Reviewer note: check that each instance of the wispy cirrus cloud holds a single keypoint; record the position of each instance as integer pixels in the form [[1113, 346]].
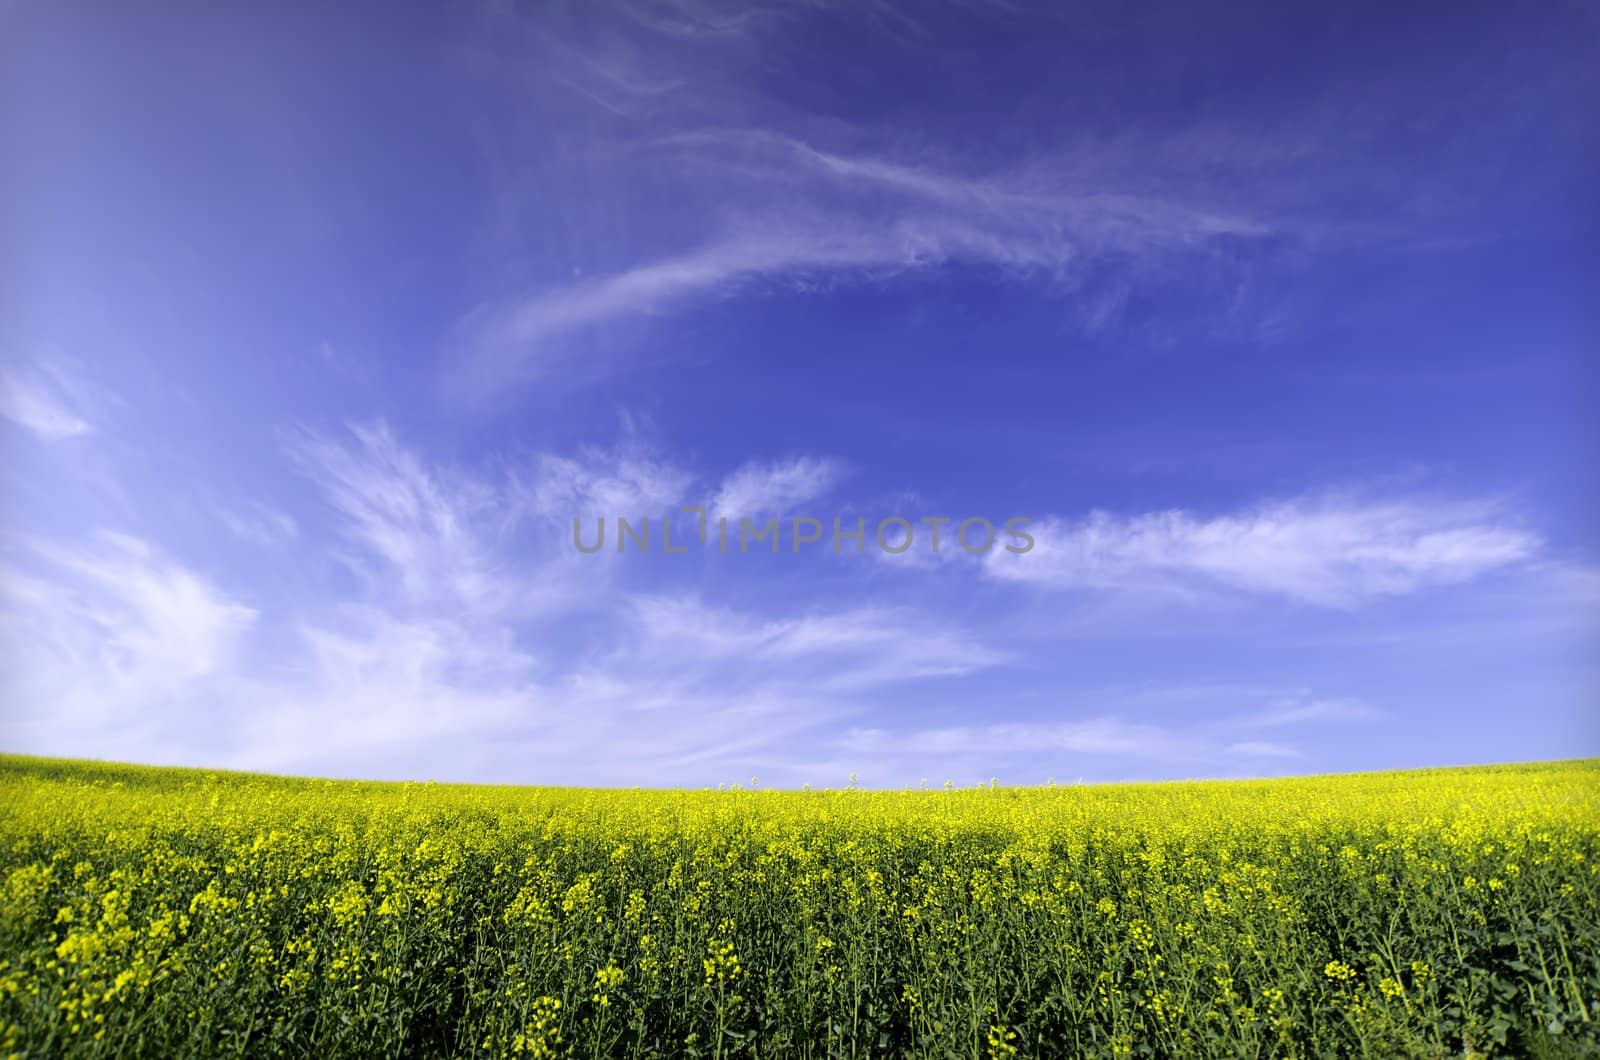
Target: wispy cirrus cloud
[[378, 687], [1328, 551], [671, 682], [428, 530], [850, 649], [841, 218], [485, 545], [756, 489], [108, 635], [769, 198], [473, 630], [475, 627], [627, 481], [41, 398]]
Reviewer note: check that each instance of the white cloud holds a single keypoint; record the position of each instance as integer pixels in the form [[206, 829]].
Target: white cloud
[[521, 340], [429, 531], [437, 657], [770, 196], [477, 644], [792, 215], [846, 650], [1331, 551], [108, 635], [628, 482], [1048, 211], [526, 339], [161, 620], [40, 400], [370, 689], [432, 540], [758, 489], [117, 652], [678, 688]]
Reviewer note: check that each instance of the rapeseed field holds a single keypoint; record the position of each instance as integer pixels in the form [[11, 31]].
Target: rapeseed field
[[167, 913]]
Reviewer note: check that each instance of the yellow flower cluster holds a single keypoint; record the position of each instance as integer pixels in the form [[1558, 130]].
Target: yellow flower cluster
[[169, 913]]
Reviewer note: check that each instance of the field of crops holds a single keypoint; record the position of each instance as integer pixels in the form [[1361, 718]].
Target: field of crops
[[167, 913]]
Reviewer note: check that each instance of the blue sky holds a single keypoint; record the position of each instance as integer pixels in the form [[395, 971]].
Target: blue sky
[[319, 329]]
